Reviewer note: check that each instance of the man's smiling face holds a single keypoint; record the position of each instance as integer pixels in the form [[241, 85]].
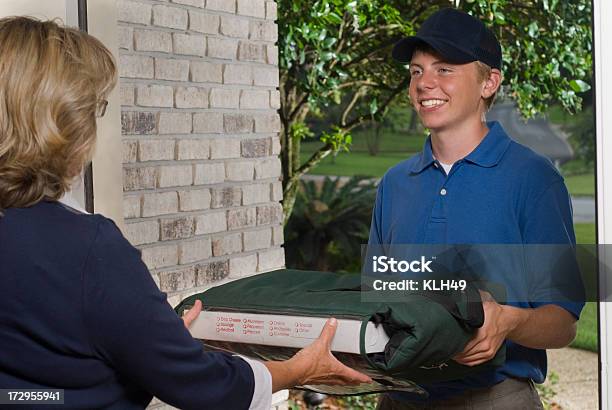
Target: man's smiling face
[[445, 95]]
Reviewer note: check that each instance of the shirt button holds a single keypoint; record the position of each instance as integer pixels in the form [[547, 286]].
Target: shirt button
[[443, 192]]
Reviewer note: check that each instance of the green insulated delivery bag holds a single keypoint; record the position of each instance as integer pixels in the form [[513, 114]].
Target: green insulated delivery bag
[[399, 344]]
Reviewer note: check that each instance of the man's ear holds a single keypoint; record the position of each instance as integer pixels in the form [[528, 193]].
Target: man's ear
[[492, 83]]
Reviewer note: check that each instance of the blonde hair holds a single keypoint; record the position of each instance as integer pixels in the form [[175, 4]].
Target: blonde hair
[[484, 71], [52, 79]]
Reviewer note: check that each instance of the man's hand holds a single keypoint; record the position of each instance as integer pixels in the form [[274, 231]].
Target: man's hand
[[488, 339], [192, 314]]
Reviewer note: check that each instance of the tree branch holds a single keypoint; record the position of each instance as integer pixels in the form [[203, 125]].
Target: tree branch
[[362, 118]]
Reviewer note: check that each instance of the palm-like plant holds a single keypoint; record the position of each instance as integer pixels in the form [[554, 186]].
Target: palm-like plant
[[329, 223]]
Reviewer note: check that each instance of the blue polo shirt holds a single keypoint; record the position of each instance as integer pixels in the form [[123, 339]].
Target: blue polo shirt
[[501, 193]]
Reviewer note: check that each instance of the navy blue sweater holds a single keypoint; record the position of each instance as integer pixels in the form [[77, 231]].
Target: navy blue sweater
[[79, 311]]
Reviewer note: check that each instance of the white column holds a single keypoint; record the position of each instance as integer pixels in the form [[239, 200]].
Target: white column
[[603, 89]]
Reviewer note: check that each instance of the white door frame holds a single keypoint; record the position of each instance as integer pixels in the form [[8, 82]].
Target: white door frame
[[602, 36]]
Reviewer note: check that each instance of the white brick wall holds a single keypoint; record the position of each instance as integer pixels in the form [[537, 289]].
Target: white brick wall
[[199, 99]]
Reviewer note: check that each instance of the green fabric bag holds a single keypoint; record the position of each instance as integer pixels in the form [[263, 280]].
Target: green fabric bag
[[426, 329]]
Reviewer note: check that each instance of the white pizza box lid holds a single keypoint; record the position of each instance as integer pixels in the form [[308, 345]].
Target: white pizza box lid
[[285, 331]]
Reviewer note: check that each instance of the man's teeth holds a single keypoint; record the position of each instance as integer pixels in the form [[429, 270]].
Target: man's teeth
[[431, 103]]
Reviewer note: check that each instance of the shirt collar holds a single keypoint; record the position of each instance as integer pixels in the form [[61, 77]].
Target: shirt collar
[[487, 154]]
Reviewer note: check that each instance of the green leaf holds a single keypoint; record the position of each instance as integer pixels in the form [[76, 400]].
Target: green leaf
[[373, 106], [579, 86]]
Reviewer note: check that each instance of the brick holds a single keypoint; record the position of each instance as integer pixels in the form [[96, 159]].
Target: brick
[[275, 99], [266, 76], [174, 123], [269, 214], [225, 197], [268, 168], [138, 178], [278, 237], [131, 206], [194, 251], [193, 149], [211, 223], [237, 74], [138, 122], [226, 245], [160, 256], [177, 228], [203, 22], [271, 10], [251, 52], [204, 72], [131, 12], [267, 123], [254, 148], [254, 99], [211, 272], [229, 6], [276, 145], [241, 218], [277, 191], [129, 151], [209, 174], [263, 31], [178, 279], [154, 96], [259, 239], [175, 175], [239, 171], [152, 40], [255, 194], [126, 94], [224, 98], [234, 27], [126, 37], [135, 66], [253, 8], [159, 203], [172, 17], [270, 260], [272, 55], [194, 3], [140, 233], [222, 148], [237, 123], [194, 200], [208, 122], [191, 97], [171, 69], [222, 48], [189, 44], [155, 150], [242, 266]]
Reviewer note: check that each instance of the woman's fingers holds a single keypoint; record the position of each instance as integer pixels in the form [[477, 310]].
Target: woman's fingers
[[192, 314]]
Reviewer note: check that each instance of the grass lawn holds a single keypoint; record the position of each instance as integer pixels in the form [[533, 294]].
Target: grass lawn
[[586, 337], [394, 148], [581, 185]]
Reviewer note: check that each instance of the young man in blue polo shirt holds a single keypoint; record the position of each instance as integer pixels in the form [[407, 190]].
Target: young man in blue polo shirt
[[472, 184]]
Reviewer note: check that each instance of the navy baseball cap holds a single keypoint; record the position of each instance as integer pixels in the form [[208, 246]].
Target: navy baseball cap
[[456, 36]]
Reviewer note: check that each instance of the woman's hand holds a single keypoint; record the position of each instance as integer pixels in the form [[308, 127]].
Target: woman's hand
[[315, 364], [192, 314]]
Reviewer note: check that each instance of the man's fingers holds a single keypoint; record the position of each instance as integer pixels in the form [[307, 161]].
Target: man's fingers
[[328, 332]]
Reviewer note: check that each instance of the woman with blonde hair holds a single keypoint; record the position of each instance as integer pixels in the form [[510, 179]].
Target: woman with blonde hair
[[79, 310]]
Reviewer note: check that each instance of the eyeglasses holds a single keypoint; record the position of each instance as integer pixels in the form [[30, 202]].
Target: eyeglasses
[[101, 108]]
